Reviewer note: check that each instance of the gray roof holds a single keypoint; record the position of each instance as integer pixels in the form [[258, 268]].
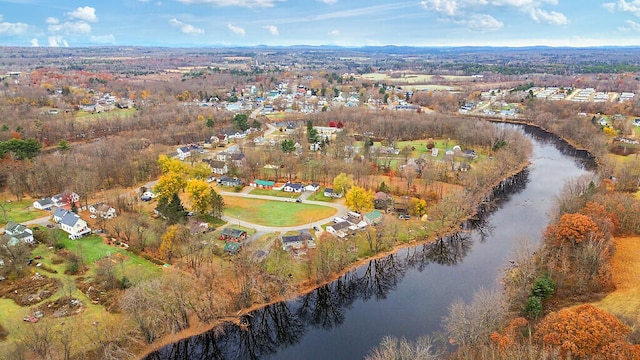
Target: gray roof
[[341, 225], [59, 212], [291, 239], [70, 219], [45, 202]]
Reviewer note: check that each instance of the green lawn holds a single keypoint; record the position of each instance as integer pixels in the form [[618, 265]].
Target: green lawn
[[93, 248], [19, 211], [278, 193], [275, 213], [105, 115]]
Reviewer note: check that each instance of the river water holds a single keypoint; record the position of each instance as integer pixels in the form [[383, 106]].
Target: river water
[[405, 294]]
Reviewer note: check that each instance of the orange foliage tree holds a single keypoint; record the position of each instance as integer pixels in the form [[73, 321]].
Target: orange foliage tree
[[586, 332], [571, 229]]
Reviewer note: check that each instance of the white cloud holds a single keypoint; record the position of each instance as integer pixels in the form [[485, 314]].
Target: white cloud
[[549, 17], [272, 29], [483, 22], [86, 13], [631, 26], [34, 42], [103, 39], [70, 28], [624, 6], [186, 28], [51, 21], [243, 3], [9, 29], [447, 7], [57, 41], [334, 32], [329, 2], [236, 30]]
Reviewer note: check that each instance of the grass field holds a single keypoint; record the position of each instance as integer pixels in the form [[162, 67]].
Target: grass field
[[275, 213], [19, 211], [624, 302], [277, 193]]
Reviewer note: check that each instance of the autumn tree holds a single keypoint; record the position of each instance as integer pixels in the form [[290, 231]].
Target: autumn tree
[[169, 184], [169, 164], [586, 332], [571, 229], [172, 210], [171, 240], [418, 207], [200, 195], [342, 183], [359, 199]]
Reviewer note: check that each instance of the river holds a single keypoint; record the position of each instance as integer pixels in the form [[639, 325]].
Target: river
[[405, 294]]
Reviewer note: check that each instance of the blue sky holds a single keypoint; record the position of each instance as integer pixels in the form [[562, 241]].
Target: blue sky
[[178, 23]]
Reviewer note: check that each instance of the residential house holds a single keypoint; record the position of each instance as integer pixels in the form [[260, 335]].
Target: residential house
[[223, 140], [65, 198], [16, 233], [298, 241], [312, 187], [291, 187], [71, 223], [184, 152], [328, 192], [227, 181], [373, 217], [236, 159], [231, 234], [102, 210], [43, 204], [262, 184], [382, 200], [218, 167], [340, 229], [232, 248], [292, 242]]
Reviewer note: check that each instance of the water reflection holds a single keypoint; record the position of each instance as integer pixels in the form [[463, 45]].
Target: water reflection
[[284, 324]]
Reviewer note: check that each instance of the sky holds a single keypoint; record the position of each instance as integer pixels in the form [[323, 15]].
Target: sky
[[222, 23]]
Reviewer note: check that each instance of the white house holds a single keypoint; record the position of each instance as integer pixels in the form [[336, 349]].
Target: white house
[[103, 210], [339, 229], [183, 152], [43, 204], [71, 223], [291, 187], [313, 187]]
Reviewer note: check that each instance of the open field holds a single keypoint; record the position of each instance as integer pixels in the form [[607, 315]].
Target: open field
[[624, 302], [410, 78], [277, 193], [275, 213], [19, 211]]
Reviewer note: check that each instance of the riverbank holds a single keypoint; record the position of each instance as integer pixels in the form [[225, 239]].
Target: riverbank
[[307, 287]]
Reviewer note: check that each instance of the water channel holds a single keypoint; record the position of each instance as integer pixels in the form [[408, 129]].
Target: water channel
[[405, 294]]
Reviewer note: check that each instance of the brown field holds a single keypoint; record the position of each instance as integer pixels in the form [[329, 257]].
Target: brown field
[[624, 302]]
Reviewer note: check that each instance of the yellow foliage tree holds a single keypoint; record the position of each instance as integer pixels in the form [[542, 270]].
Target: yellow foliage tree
[[418, 206], [342, 183], [168, 242], [168, 164], [199, 195], [200, 171], [359, 199], [169, 184]]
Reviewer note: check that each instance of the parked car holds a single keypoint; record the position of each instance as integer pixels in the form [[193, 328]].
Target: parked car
[[316, 228], [298, 200]]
